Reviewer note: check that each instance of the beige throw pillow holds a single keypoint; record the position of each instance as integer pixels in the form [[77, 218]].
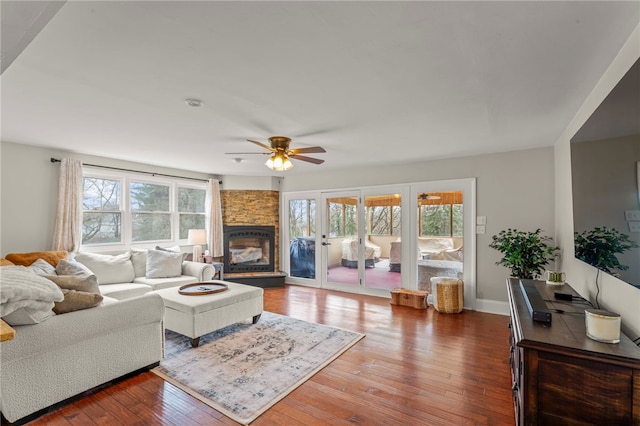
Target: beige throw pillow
[[163, 264], [76, 300]]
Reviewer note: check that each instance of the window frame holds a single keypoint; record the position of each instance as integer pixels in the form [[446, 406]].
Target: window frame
[[125, 179]]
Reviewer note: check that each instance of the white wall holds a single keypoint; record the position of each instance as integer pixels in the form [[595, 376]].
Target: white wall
[[514, 189], [29, 193], [615, 295]]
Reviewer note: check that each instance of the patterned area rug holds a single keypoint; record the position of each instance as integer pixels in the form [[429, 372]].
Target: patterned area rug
[[244, 369]]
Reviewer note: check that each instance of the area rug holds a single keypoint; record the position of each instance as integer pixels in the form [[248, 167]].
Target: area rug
[[244, 369]]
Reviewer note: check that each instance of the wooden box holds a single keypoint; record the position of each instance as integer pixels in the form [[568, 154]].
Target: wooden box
[[413, 298]]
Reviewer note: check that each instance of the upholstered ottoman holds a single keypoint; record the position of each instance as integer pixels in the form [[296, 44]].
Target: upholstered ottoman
[[194, 316]]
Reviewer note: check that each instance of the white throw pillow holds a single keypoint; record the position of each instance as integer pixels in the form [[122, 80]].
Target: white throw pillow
[[28, 316], [163, 264], [109, 269]]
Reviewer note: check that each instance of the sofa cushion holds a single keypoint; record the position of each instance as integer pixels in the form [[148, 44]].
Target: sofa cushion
[[76, 300], [163, 264], [71, 267], [139, 261], [109, 269], [124, 290], [160, 283], [42, 267], [26, 259]]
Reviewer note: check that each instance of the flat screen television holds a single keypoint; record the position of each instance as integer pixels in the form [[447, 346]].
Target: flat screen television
[[605, 169]]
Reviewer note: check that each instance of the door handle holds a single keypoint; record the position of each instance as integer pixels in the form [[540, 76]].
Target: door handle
[[326, 244]]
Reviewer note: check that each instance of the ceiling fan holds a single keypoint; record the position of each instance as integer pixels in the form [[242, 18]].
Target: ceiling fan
[[281, 153]]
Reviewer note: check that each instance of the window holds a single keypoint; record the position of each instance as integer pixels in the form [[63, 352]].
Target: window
[[342, 219], [121, 208], [102, 215], [445, 220]]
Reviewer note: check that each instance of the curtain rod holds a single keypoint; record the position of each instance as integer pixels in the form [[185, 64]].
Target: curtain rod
[[56, 160]]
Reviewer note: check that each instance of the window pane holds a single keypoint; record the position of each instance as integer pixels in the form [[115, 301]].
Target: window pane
[[458, 220], [190, 221], [151, 226], [380, 219], [351, 221], [191, 200], [100, 194], [101, 228], [397, 221], [435, 220], [149, 197], [302, 218], [335, 219]]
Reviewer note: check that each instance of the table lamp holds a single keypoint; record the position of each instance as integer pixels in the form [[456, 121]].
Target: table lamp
[[197, 237]]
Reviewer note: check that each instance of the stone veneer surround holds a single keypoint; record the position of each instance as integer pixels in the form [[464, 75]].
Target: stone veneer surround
[[253, 207]]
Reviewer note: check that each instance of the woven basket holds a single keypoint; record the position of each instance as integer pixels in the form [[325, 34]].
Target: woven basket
[[447, 295]]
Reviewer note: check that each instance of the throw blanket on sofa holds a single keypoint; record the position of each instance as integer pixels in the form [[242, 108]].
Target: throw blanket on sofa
[[22, 288]]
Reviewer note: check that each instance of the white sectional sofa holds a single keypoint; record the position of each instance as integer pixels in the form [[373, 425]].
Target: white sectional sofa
[[67, 354]]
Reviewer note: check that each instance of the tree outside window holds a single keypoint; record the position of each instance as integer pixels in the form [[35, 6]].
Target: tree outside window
[[102, 215]]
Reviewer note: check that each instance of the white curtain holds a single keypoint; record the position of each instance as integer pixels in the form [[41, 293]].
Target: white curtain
[[214, 219], [67, 233]]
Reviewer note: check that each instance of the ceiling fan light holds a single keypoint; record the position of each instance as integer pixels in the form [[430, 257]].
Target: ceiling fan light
[[277, 162], [287, 164], [270, 162]]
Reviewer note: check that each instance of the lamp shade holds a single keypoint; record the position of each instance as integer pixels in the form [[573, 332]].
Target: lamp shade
[[197, 236]]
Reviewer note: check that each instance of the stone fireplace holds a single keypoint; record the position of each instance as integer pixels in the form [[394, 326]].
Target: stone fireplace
[[249, 248]]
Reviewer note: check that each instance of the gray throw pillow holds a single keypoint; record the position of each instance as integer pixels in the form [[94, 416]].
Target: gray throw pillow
[[163, 264], [71, 267], [86, 283], [42, 267]]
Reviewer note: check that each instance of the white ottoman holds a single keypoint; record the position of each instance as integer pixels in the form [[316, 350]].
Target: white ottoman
[[194, 316]]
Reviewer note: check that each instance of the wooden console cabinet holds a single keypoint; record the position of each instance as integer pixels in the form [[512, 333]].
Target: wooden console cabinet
[[560, 376]]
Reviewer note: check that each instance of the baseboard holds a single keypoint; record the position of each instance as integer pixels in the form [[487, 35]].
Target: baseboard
[[492, 306]]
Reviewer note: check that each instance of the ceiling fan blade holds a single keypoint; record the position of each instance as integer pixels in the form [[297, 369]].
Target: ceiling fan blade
[[247, 153], [307, 159], [309, 150], [262, 145]]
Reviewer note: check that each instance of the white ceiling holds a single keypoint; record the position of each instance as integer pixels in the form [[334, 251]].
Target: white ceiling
[[372, 82]]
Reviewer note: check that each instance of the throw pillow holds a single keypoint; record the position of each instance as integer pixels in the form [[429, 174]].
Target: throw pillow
[[109, 269], [139, 261], [175, 249], [71, 267], [42, 267], [5, 262], [85, 283], [163, 264], [26, 259], [76, 300]]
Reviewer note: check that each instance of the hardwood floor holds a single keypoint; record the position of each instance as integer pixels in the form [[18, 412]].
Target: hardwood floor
[[414, 367]]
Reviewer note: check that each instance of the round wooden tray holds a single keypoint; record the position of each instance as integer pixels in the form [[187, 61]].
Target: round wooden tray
[[198, 289]]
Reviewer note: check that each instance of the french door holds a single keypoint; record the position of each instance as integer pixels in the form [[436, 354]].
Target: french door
[[365, 240]]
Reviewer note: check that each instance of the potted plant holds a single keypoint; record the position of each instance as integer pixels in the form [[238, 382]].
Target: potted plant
[[599, 246], [524, 252]]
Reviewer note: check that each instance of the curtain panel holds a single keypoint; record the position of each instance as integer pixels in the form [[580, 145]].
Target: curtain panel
[[214, 218], [67, 232]]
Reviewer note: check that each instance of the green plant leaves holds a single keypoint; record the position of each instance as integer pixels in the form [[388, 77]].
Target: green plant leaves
[[524, 252], [599, 246]]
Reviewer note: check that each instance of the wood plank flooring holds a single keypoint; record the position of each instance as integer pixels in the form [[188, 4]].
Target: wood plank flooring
[[414, 367]]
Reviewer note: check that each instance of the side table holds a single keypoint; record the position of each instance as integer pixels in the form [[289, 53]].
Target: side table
[[6, 331], [219, 267]]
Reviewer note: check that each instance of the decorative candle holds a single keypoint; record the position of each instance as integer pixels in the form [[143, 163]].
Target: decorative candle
[[603, 326]]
